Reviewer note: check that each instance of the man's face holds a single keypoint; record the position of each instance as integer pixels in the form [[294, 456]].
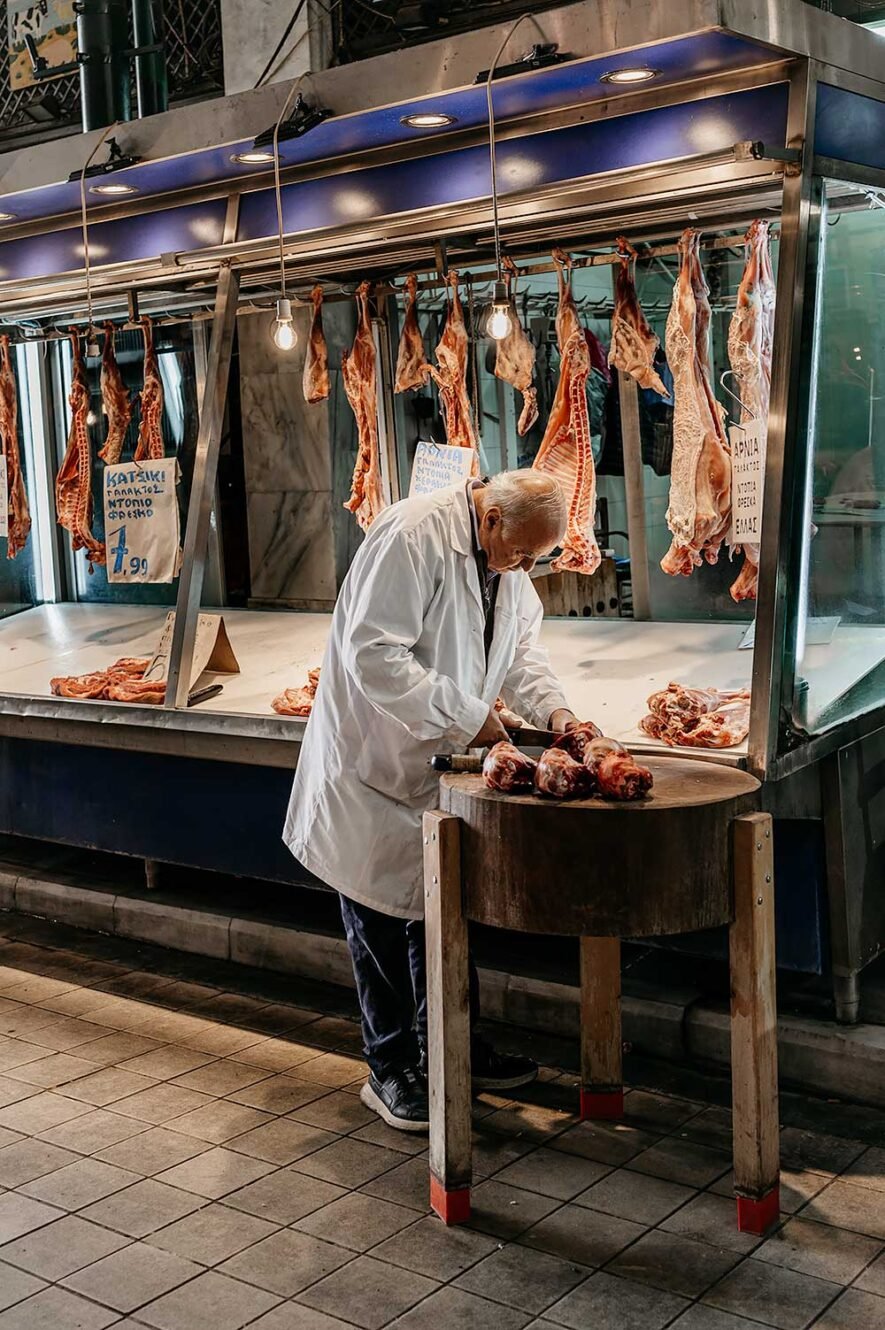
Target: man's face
[[508, 546]]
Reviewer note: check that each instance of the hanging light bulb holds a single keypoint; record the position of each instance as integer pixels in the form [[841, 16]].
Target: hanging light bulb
[[284, 334], [500, 321]]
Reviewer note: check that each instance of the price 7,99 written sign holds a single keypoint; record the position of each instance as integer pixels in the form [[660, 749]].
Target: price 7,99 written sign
[[141, 521]]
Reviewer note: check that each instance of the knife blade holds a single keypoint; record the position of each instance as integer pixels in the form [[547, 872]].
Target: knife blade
[[523, 737]]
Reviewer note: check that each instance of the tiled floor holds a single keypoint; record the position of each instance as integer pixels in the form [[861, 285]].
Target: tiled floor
[[183, 1148]]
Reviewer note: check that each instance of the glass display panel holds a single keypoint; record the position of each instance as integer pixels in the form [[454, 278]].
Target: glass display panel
[[839, 604]]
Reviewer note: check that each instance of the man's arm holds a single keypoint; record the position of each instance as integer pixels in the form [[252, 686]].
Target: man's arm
[[530, 685], [386, 619]]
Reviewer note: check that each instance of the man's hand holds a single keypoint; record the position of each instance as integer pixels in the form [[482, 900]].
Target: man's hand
[[562, 720], [492, 731]]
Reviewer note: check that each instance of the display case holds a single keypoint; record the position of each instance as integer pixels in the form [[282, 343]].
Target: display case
[[777, 114]]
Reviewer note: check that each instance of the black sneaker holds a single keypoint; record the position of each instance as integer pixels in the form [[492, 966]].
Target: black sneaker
[[400, 1100], [491, 1070]]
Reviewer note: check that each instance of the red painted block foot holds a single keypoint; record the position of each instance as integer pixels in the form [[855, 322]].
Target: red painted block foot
[[605, 1104], [453, 1207], [758, 1216]]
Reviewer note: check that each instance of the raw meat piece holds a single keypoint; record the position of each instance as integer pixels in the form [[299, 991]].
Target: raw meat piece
[[149, 693], [698, 717], [115, 400], [577, 740], [316, 362], [150, 433], [19, 516], [561, 777], [749, 352], [297, 701], [508, 718], [121, 682], [633, 344], [507, 769], [566, 450], [73, 484], [451, 377], [358, 369], [615, 772], [515, 361], [411, 361], [699, 512]]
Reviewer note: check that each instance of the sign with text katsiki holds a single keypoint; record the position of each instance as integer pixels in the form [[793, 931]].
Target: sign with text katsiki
[[747, 481], [4, 498], [141, 521], [437, 466]]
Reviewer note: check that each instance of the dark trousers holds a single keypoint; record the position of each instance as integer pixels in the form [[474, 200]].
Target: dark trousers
[[391, 982]]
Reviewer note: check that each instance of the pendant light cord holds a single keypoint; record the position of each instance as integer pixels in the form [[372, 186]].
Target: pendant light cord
[[86, 261], [287, 104], [492, 153]]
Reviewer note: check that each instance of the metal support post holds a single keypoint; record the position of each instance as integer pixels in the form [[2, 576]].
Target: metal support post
[[634, 486], [103, 42], [151, 83], [196, 539]]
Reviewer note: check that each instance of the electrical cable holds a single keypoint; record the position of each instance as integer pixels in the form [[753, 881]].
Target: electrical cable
[[88, 273], [492, 153]]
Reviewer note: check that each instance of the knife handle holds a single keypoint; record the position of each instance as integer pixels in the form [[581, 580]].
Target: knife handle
[[457, 762]]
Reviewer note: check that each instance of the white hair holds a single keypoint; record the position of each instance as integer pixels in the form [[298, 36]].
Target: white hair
[[529, 496]]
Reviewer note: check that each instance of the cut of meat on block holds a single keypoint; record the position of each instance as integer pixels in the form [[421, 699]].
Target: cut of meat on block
[[115, 400], [633, 343], [298, 701], [699, 512], [150, 433], [359, 372], [411, 361], [750, 337], [316, 362], [452, 355], [19, 516], [507, 769], [73, 484], [566, 452], [683, 717], [121, 682], [515, 359]]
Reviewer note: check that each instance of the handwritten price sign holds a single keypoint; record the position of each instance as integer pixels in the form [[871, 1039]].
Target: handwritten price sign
[[141, 521], [747, 481]]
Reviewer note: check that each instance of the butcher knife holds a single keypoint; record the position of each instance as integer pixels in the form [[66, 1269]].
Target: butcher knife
[[523, 737]]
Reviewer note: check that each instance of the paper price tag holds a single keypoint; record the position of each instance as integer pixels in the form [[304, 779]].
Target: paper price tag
[[747, 481], [141, 521], [437, 466], [213, 653]]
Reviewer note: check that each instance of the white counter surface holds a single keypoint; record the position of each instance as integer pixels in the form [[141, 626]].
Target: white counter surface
[[608, 666]]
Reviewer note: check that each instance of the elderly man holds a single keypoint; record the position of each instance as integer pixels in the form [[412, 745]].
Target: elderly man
[[436, 618]]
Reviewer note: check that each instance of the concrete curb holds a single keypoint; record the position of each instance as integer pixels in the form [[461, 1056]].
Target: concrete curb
[[819, 1056]]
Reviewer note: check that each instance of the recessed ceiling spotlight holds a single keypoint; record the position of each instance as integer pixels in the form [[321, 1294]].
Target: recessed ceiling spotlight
[[635, 74], [254, 157], [113, 189], [428, 120]]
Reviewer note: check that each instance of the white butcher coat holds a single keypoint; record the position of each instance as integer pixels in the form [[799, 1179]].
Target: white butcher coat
[[405, 676]]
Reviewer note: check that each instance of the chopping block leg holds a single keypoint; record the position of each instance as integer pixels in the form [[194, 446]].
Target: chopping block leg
[[602, 1089], [754, 1027], [448, 1020]]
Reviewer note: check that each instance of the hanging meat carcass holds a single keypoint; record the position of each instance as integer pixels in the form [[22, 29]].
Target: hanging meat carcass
[[115, 400], [316, 362], [515, 360], [18, 513], [358, 371], [633, 344], [411, 360], [452, 355], [150, 432], [750, 337], [566, 450], [699, 512], [73, 484]]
